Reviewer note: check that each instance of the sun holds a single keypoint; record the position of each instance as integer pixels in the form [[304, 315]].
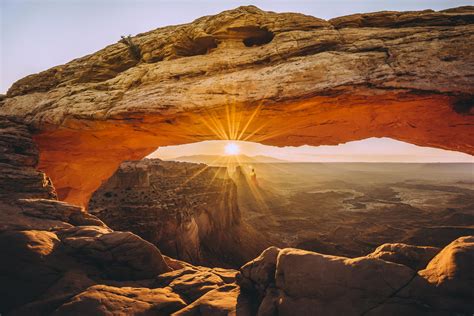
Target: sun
[[231, 149]]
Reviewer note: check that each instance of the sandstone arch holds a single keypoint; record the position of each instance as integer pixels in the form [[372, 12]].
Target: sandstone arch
[[407, 76]]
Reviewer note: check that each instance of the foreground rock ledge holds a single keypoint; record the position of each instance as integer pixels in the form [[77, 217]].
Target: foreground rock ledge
[[296, 79]]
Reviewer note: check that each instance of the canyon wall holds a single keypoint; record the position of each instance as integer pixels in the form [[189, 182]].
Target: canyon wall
[[189, 211], [275, 78]]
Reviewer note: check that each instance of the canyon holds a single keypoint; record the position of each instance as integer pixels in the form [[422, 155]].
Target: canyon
[[189, 211], [275, 78]]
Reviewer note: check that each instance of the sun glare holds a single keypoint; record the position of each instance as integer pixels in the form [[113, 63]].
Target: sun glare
[[231, 149]]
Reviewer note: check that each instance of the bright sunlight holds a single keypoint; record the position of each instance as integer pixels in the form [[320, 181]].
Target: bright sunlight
[[232, 149]]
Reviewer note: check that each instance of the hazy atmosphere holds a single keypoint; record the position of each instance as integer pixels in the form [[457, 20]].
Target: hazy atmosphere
[[368, 150]]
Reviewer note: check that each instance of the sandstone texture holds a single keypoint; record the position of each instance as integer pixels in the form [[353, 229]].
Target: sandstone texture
[[58, 259], [415, 257], [283, 78], [402, 75], [107, 300], [299, 282], [189, 211]]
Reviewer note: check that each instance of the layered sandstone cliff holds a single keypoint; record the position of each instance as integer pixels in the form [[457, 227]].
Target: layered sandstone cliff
[[188, 210], [285, 78]]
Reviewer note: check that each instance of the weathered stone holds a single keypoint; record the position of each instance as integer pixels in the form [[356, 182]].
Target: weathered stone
[[107, 300], [18, 159], [259, 273], [61, 211], [187, 210], [121, 255], [452, 275], [313, 283], [27, 266], [225, 300], [415, 257]]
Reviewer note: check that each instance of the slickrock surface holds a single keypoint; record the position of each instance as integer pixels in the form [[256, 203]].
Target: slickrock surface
[[299, 282], [107, 300], [415, 257], [404, 75]]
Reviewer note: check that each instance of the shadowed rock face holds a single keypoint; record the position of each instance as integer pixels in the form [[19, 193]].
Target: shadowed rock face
[[59, 260], [404, 75], [292, 281], [188, 210]]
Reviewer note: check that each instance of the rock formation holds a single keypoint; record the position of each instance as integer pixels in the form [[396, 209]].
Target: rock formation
[[286, 78], [188, 210], [297, 282], [59, 259], [403, 75]]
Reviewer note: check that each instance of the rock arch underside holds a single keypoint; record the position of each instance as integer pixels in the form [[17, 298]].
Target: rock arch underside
[[275, 78]]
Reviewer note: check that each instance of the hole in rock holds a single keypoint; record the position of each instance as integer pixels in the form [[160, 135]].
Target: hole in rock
[[258, 37], [199, 46], [250, 35], [222, 202]]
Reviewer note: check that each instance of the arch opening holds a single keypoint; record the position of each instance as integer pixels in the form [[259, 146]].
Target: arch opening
[[80, 154], [236, 198]]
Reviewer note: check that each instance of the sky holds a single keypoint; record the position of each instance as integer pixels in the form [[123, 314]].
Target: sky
[[39, 34], [367, 150]]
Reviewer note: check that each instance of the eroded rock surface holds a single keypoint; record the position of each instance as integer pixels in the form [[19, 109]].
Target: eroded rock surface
[[307, 283], [189, 211], [59, 259], [415, 257], [174, 205], [107, 300], [407, 76], [290, 79]]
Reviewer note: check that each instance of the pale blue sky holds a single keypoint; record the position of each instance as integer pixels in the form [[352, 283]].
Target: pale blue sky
[[36, 35]]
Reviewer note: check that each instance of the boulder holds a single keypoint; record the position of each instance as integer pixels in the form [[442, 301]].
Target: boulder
[[108, 300], [451, 274], [259, 273], [27, 267], [415, 257], [223, 301], [120, 255], [312, 283]]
